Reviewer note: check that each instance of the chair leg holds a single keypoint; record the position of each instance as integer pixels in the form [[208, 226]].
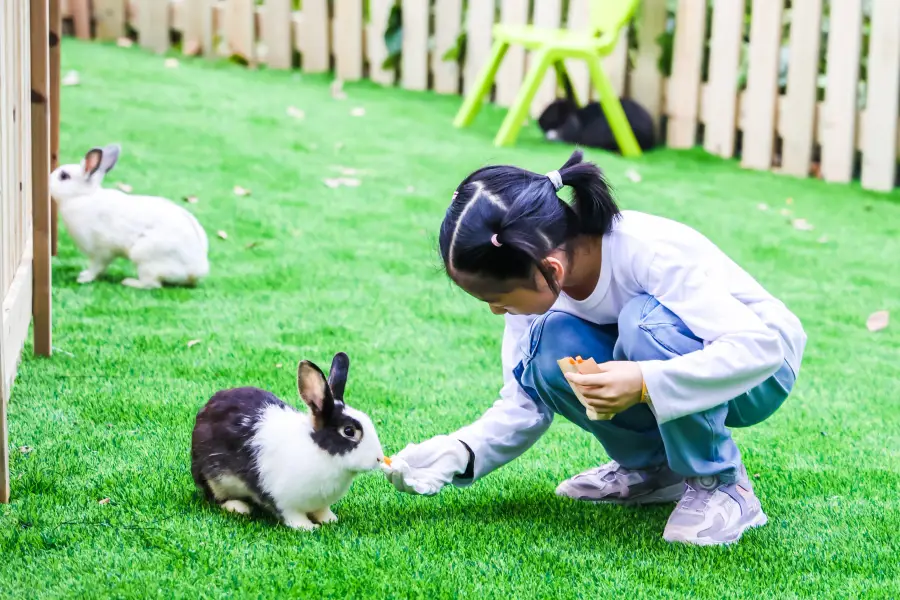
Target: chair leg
[[564, 80], [612, 108], [472, 103], [509, 130]]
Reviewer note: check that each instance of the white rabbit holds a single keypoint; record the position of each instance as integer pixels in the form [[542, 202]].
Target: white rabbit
[[250, 447], [165, 242]]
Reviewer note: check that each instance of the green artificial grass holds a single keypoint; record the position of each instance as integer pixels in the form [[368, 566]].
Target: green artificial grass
[[307, 270]]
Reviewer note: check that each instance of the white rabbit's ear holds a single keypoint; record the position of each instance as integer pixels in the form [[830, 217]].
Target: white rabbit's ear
[[100, 159], [315, 391]]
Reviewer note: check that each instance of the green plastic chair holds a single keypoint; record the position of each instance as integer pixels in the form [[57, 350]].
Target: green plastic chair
[[551, 47]]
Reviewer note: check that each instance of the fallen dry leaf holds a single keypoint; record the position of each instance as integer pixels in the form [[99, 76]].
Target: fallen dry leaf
[[762, 206], [191, 199], [802, 225], [789, 201], [192, 343], [347, 170], [347, 181], [222, 234], [878, 320], [124, 187], [251, 245], [171, 63], [25, 449], [239, 191], [104, 501], [359, 111], [410, 189], [338, 146], [784, 212], [337, 90], [125, 42], [278, 365], [296, 113], [824, 239], [633, 175], [71, 78]]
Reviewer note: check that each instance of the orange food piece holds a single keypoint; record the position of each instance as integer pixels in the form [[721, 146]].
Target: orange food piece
[[571, 361], [387, 460]]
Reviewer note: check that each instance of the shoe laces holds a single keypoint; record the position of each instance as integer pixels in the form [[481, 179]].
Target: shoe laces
[[697, 498]]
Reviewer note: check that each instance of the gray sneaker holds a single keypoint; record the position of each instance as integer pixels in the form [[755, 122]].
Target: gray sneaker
[[617, 485], [712, 513]]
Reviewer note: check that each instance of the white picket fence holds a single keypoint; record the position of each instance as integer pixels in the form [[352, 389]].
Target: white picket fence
[[792, 132]]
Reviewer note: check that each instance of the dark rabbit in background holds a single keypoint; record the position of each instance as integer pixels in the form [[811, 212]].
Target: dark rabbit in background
[[564, 121]]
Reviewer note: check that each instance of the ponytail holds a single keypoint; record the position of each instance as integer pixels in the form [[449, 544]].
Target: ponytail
[[504, 221]]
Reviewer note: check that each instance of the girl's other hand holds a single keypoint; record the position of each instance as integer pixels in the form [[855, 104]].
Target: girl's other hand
[[617, 387]]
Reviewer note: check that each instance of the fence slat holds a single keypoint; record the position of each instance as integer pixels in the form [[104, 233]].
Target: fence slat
[[646, 80], [109, 16], [276, 33], [722, 88], [879, 163], [40, 171], [684, 85], [81, 18], [512, 69], [192, 35], [376, 51], [347, 35], [800, 100], [55, 38], [414, 69], [314, 41], [447, 23], [153, 25], [762, 84], [547, 13], [839, 112], [578, 19], [616, 64], [239, 28], [479, 23]]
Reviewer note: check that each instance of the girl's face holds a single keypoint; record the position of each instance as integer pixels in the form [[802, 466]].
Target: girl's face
[[526, 297]]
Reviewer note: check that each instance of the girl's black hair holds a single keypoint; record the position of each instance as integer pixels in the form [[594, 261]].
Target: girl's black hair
[[528, 218]]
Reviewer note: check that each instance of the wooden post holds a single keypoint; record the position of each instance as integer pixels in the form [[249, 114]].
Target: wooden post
[[81, 17], [758, 144], [55, 37], [153, 25], [40, 170], [110, 18], [277, 33], [646, 80], [687, 61]]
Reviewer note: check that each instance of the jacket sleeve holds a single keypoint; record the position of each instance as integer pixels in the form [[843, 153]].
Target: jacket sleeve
[[515, 421], [739, 353]]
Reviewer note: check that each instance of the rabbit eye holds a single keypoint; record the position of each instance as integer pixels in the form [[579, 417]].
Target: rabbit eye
[[350, 432], [63, 176]]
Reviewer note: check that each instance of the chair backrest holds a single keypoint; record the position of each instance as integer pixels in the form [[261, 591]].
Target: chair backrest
[[611, 15]]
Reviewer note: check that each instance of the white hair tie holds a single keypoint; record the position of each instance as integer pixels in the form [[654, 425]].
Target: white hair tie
[[555, 179]]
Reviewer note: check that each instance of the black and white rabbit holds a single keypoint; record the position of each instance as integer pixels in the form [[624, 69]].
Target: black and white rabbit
[[164, 241], [564, 121], [249, 447]]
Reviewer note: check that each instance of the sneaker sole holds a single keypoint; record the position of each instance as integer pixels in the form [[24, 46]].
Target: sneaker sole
[[728, 537], [666, 495]]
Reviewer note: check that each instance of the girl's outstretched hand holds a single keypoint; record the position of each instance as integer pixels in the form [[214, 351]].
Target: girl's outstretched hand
[[615, 388]]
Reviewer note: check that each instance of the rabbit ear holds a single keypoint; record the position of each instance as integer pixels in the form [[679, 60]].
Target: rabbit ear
[[315, 391], [101, 159], [337, 377]]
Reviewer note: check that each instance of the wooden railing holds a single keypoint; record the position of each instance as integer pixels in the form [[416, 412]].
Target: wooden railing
[[25, 141]]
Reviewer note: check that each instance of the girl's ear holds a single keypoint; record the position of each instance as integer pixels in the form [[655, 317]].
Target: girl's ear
[[553, 265]]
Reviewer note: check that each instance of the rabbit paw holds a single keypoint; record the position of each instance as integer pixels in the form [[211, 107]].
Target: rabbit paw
[[324, 516], [86, 276], [141, 285], [296, 520], [237, 506]]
